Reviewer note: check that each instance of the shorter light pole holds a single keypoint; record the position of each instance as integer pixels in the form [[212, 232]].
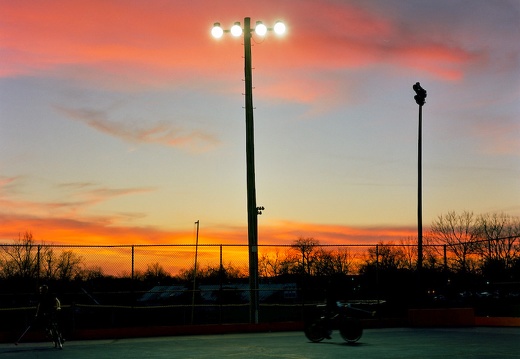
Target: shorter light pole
[[195, 273], [420, 99]]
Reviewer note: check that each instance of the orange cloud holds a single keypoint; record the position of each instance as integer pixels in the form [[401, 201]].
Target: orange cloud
[[106, 231], [286, 232], [79, 197], [67, 223], [81, 231]]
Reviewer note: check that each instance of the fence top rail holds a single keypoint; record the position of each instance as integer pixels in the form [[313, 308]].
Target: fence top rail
[[208, 245], [375, 245], [181, 245]]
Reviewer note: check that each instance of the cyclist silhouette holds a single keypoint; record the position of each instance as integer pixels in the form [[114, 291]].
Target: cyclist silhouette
[[46, 315]]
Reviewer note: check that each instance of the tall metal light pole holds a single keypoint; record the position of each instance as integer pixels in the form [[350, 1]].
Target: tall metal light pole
[[252, 210], [420, 98]]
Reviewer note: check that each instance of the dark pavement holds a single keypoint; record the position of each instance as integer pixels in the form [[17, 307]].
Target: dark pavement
[[474, 342]]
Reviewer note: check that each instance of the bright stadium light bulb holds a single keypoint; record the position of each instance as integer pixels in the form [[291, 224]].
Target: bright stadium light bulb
[[279, 28], [236, 30], [217, 31], [260, 28]]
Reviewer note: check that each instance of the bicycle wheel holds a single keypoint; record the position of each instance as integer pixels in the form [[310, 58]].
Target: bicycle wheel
[[315, 331], [56, 336], [350, 330]]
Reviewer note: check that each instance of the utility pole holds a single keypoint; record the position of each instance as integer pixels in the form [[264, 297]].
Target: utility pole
[[252, 210]]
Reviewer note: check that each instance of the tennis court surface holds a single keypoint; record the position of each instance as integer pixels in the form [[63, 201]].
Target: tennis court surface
[[472, 342]]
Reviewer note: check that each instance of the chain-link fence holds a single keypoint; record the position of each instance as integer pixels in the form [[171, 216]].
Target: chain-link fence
[[141, 285]]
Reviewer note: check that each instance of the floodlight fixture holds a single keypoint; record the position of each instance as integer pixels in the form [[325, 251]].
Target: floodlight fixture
[[260, 28], [236, 29], [217, 31], [279, 28]]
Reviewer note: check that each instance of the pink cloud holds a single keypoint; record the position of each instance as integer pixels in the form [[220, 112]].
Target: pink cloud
[[79, 197], [157, 42], [162, 133]]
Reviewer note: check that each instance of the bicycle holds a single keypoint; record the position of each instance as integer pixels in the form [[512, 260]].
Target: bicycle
[[53, 332], [51, 329], [321, 325]]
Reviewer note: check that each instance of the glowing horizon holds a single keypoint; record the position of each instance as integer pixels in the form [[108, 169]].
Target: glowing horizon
[[122, 122]]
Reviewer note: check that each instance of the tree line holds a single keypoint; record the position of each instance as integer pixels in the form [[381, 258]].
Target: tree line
[[25, 259], [462, 243]]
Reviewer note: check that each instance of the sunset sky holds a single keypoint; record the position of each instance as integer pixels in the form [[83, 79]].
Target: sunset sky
[[122, 121]]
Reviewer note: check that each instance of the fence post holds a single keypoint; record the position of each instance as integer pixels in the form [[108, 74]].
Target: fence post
[[38, 265], [445, 259], [303, 281], [132, 279], [220, 275], [377, 273], [133, 263]]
